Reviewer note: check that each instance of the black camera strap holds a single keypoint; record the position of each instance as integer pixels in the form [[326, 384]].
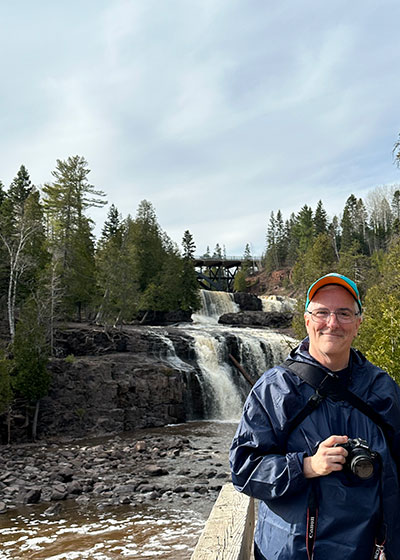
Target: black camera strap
[[329, 385]]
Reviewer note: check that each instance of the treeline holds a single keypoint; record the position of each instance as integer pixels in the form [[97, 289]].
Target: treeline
[[364, 244], [52, 270]]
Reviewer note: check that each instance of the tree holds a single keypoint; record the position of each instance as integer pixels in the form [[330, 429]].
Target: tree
[[305, 229], [117, 275], [21, 232], [396, 152], [272, 255], [320, 219], [148, 246], [318, 260], [70, 231], [379, 336], [396, 211], [112, 225], [247, 259], [380, 218], [217, 251], [30, 355], [189, 296]]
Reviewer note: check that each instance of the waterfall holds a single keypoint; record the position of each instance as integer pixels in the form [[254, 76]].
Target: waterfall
[[220, 385], [213, 305], [280, 304], [222, 398]]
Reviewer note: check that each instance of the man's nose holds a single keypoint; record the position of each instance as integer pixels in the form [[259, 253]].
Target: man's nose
[[332, 319]]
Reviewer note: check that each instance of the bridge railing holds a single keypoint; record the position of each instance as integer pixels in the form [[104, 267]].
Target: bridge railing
[[228, 533]]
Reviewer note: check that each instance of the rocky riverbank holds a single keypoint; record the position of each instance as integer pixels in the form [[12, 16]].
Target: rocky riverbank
[[163, 466]]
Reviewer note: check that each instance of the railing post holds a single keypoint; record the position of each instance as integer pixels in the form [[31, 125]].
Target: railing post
[[228, 533]]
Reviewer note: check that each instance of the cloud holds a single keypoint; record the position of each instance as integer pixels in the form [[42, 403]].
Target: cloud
[[216, 112]]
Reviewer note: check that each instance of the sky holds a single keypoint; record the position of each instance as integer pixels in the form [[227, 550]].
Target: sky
[[218, 112]]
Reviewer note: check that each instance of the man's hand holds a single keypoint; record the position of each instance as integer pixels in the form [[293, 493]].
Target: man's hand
[[327, 458]]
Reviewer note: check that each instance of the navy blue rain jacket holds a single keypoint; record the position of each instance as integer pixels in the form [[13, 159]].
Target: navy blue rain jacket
[[267, 463]]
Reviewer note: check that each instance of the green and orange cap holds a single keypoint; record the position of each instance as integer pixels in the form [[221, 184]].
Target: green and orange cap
[[334, 278]]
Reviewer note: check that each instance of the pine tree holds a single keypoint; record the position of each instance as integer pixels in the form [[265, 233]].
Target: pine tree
[[112, 225], [189, 297], [149, 248], [320, 219], [117, 276], [271, 258], [70, 231]]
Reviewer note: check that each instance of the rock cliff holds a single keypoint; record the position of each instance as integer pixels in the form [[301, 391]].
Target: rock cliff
[[116, 380]]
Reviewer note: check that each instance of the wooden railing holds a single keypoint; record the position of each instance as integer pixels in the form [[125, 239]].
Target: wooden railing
[[228, 533]]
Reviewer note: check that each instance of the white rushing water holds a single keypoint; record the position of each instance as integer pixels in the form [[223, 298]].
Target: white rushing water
[[223, 387], [280, 304], [213, 305]]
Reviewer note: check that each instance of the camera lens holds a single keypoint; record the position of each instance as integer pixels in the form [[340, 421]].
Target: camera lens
[[362, 467]]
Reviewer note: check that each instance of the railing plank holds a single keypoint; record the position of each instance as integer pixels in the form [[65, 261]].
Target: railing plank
[[228, 533]]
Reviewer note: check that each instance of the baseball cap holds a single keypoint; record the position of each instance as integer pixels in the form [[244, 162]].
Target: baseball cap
[[334, 278]]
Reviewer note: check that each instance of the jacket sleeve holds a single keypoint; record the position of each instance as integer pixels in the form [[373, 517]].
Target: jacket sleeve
[[259, 465]]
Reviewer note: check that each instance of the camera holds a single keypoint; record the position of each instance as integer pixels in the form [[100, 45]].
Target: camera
[[360, 459]]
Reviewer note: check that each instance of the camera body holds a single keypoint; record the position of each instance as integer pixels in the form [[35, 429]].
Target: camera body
[[361, 459]]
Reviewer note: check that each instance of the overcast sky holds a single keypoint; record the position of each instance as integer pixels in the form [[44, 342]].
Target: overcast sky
[[216, 111]]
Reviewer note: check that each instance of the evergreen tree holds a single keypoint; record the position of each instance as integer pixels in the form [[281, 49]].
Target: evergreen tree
[[31, 379], [318, 260], [320, 219], [281, 239], [396, 211], [354, 227], [217, 251], [148, 245], [112, 225], [305, 229], [379, 335], [117, 276], [189, 296], [247, 259], [271, 257], [20, 188], [66, 200]]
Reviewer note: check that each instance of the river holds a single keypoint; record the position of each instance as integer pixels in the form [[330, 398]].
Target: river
[[168, 530]]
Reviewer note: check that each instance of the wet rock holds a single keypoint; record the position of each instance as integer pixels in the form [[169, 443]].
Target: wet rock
[[271, 319], [247, 302], [155, 470], [53, 510], [140, 446]]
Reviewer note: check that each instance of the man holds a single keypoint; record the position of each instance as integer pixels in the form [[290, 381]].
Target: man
[[312, 504]]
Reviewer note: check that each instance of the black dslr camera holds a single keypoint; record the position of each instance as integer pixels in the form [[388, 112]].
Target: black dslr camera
[[360, 459]]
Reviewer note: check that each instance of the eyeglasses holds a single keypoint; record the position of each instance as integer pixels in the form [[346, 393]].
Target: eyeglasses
[[344, 316]]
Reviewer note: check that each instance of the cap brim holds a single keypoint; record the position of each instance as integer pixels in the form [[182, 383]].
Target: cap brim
[[325, 281]]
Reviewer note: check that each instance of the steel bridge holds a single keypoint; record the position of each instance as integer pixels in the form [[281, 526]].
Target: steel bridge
[[217, 273]]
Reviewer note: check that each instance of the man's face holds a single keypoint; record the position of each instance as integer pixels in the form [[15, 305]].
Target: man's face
[[330, 342]]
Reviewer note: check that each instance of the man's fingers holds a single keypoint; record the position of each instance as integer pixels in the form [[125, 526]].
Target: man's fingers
[[332, 440]]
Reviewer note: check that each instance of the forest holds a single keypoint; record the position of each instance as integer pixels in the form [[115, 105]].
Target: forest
[[53, 270]]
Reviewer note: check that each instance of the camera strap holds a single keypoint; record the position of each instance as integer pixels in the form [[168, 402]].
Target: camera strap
[[312, 519], [329, 385]]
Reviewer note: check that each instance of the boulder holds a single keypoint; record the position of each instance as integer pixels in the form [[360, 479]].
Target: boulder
[[247, 302], [273, 320]]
